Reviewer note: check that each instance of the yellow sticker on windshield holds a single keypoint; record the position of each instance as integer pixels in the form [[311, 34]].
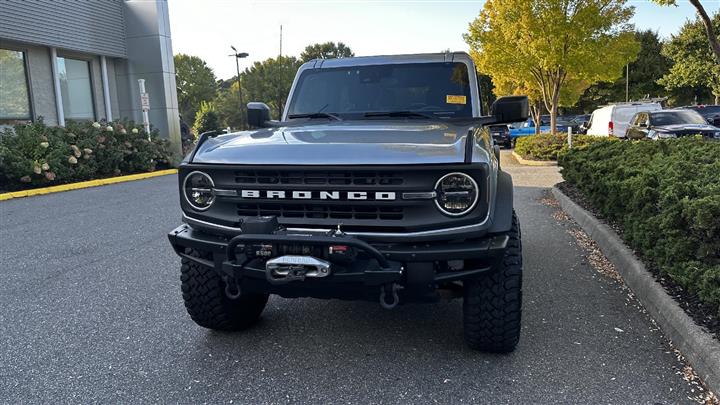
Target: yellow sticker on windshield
[[450, 99]]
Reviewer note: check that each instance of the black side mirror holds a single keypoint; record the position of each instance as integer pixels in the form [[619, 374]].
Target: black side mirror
[[643, 124], [258, 115], [510, 109], [716, 121]]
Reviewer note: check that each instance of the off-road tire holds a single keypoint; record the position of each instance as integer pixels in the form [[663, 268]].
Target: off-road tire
[[203, 291], [492, 303]]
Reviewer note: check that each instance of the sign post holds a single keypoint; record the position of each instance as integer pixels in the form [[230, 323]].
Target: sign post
[[569, 137], [145, 104]]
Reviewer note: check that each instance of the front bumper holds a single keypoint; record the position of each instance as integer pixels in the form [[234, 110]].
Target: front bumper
[[417, 267], [502, 139]]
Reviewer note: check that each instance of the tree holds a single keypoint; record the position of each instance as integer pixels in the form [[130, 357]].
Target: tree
[[694, 64], [487, 95], [644, 72], [227, 104], [710, 30], [327, 50], [269, 81], [206, 119], [195, 84], [509, 86], [554, 45]]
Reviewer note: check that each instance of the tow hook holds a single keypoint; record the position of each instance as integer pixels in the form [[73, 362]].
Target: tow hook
[[389, 298], [232, 288]]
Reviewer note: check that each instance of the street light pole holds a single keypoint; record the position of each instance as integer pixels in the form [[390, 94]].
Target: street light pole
[[237, 56]]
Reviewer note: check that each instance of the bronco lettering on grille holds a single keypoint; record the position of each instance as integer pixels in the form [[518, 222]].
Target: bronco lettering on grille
[[319, 195]]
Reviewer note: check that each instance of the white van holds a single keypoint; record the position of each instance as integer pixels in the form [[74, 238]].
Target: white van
[[613, 120]]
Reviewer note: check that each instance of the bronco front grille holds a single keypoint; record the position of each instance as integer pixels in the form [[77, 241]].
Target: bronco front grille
[[318, 211], [315, 177]]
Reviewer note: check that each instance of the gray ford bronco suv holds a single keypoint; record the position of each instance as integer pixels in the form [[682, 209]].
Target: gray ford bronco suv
[[380, 182]]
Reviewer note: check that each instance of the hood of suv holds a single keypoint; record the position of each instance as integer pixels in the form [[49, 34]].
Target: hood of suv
[[686, 128], [341, 143]]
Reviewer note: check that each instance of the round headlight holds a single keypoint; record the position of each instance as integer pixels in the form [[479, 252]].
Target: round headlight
[[198, 190], [457, 194]]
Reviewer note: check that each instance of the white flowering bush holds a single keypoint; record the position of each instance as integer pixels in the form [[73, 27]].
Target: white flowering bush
[[38, 155]]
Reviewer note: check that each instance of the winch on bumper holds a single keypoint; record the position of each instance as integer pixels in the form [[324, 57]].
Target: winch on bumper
[[269, 259]]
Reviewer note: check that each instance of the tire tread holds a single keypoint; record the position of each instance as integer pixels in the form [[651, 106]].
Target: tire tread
[[492, 303], [203, 292]]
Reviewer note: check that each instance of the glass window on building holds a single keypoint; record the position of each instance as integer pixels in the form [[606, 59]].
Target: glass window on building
[[14, 95], [76, 89]]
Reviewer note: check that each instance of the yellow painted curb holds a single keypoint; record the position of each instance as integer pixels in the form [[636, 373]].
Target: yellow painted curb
[[527, 162], [84, 184]]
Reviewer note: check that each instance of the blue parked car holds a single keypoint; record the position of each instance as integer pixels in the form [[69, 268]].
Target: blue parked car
[[527, 128]]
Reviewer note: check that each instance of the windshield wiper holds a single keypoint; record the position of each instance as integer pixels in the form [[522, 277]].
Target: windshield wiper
[[316, 115], [400, 114]]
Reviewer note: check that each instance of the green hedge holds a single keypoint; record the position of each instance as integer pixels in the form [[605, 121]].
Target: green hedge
[[666, 197], [549, 147], [37, 155]]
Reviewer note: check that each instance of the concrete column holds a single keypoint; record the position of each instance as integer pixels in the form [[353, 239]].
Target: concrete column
[[56, 84], [150, 57], [106, 89]]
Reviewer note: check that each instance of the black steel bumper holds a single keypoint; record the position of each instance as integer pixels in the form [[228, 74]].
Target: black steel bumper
[[376, 265], [503, 139]]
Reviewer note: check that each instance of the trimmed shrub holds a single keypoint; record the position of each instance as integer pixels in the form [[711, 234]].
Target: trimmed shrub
[[37, 155], [665, 195], [549, 147]]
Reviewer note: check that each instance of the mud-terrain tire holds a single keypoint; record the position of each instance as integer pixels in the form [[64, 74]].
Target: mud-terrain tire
[[492, 303], [203, 291]]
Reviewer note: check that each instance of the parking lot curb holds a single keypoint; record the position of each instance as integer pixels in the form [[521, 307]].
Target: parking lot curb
[[527, 162], [697, 345], [84, 184]]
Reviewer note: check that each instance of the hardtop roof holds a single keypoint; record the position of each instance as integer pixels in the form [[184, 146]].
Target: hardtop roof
[[388, 59]]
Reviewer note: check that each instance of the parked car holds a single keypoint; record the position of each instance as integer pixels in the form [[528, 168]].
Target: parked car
[[670, 124], [527, 128], [567, 121], [581, 123], [711, 113], [613, 120], [501, 135]]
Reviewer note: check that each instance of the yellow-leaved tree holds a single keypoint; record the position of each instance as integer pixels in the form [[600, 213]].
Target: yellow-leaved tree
[[554, 49]]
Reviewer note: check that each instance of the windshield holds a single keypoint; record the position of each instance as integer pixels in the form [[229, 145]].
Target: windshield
[[435, 89], [676, 117], [707, 112]]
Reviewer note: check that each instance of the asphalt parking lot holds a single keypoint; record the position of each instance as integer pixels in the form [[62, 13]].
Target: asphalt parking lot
[[91, 312]]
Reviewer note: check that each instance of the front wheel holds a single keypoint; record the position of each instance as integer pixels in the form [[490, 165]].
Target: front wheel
[[205, 299], [492, 303]]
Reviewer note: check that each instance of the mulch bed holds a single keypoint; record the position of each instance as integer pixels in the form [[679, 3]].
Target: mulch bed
[[703, 314]]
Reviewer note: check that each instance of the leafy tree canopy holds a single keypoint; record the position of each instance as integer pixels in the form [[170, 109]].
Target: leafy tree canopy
[[644, 72], [269, 81], [694, 65], [195, 84], [706, 20], [206, 119], [555, 46], [327, 50], [227, 104]]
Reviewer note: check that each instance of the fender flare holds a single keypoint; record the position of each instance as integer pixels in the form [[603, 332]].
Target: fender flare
[[502, 217]]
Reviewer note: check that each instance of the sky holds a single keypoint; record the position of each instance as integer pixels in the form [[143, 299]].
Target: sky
[[207, 28]]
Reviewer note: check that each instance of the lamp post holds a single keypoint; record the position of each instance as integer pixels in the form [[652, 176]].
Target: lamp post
[[238, 56]]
